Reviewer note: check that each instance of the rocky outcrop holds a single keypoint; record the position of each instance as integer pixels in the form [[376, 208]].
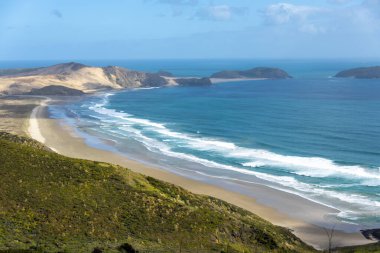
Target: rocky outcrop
[[261, 72], [361, 73]]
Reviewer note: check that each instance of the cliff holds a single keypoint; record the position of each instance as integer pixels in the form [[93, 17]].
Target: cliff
[[261, 72], [361, 73]]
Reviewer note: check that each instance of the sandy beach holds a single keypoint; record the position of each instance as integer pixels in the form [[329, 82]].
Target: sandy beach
[[298, 215]]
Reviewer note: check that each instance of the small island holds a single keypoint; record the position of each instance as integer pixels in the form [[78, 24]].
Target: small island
[[360, 73], [254, 73]]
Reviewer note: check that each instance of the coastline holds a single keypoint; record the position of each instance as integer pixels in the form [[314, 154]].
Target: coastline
[[62, 139]]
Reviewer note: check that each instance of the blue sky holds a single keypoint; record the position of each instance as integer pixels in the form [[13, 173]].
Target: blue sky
[[148, 29]]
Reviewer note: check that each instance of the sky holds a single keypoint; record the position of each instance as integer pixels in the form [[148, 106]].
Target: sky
[[182, 29]]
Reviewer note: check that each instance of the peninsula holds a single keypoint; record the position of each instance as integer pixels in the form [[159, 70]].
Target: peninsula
[[75, 79], [83, 78]]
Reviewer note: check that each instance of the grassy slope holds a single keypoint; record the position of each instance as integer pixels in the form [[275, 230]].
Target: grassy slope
[[61, 204]]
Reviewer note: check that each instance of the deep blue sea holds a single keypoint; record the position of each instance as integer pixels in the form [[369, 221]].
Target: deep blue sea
[[314, 135]]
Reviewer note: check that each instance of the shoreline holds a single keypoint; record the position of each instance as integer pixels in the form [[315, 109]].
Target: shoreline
[[62, 139]]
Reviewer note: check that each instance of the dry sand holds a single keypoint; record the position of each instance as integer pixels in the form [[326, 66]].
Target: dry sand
[[62, 139]]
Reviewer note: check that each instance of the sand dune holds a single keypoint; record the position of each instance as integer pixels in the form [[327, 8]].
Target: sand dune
[[76, 76]]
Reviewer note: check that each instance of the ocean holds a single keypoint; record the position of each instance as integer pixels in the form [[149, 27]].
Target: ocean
[[315, 136]]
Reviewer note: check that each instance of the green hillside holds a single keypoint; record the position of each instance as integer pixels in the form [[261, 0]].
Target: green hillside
[[51, 203]]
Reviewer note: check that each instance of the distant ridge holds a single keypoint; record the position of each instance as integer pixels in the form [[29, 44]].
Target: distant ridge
[[84, 78], [89, 79], [259, 72], [361, 73]]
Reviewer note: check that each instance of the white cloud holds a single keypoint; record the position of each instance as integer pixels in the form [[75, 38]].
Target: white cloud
[[219, 12], [362, 18], [282, 13], [305, 18]]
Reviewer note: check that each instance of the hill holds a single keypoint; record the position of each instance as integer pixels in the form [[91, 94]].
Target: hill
[[261, 72], [361, 73], [52, 203], [76, 76], [84, 78]]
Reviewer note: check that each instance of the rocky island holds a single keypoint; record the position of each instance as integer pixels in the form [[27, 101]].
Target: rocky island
[[254, 73], [361, 73]]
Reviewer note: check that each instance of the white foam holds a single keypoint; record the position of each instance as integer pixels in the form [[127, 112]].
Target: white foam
[[99, 108], [305, 166], [251, 158], [145, 122], [254, 164], [285, 181]]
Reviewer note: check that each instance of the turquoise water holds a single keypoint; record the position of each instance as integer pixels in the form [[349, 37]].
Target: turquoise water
[[314, 136]]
